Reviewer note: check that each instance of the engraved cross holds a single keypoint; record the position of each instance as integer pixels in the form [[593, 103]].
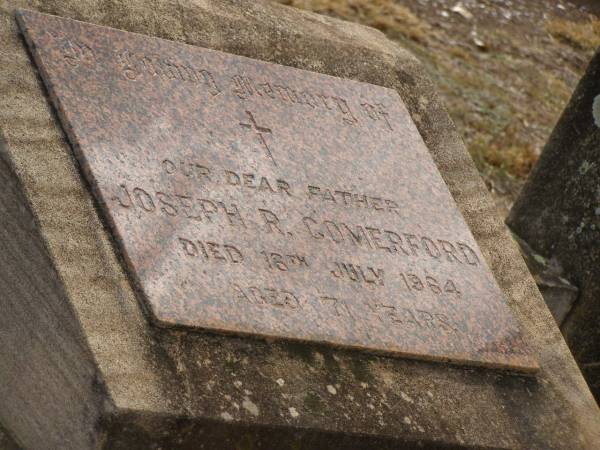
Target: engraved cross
[[260, 131]]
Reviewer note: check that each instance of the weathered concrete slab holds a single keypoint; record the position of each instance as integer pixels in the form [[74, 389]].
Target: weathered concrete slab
[[558, 215], [254, 198]]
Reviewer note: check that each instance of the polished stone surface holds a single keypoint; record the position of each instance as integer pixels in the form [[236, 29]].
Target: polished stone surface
[[252, 198]]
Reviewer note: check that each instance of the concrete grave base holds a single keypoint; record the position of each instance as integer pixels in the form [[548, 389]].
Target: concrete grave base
[[82, 368], [557, 214]]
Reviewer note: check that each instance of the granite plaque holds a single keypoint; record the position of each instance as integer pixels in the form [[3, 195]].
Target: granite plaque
[[252, 198]]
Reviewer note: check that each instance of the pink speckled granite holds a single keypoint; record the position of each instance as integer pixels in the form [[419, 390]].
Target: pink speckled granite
[[258, 199]]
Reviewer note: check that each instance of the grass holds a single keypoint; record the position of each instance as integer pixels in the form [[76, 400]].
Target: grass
[[385, 15], [504, 100], [583, 36]]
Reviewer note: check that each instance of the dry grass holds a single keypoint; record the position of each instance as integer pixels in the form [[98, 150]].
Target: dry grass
[[385, 15], [504, 100], [580, 35], [517, 160]]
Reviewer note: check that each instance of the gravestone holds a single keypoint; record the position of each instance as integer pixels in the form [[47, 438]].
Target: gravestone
[[257, 245], [558, 293], [331, 224], [558, 215]]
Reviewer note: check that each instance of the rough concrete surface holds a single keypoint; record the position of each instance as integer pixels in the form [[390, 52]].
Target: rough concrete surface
[[558, 214], [6, 441], [50, 389], [174, 389]]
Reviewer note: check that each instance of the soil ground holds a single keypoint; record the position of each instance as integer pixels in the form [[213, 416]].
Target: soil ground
[[506, 68]]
